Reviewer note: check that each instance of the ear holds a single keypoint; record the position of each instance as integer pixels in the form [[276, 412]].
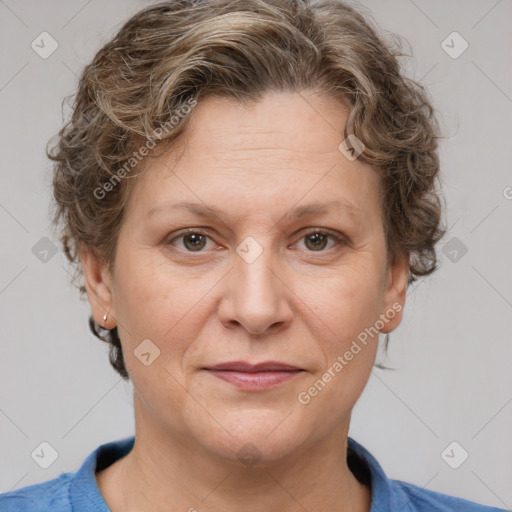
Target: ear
[[98, 283], [395, 292]]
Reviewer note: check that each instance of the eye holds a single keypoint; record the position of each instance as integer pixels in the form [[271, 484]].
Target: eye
[[316, 240], [192, 240]]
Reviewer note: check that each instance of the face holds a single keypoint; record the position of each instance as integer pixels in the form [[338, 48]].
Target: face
[[252, 240]]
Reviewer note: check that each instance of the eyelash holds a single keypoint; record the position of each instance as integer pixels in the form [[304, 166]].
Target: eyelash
[[340, 240]]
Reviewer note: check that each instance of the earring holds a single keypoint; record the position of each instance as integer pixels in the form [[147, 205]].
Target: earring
[[105, 318]]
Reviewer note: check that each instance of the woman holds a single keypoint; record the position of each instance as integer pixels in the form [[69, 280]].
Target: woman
[[247, 189]]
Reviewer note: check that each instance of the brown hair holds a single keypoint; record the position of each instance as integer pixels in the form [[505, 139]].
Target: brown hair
[[175, 53]]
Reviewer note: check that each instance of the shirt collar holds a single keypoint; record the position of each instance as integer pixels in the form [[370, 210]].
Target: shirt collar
[[84, 491], [386, 495]]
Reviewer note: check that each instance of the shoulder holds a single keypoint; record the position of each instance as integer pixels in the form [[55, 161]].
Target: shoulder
[[69, 492], [423, 500], [50, 495], [396, 495]]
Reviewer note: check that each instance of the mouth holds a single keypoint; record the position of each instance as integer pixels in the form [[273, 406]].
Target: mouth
[[254, 377]]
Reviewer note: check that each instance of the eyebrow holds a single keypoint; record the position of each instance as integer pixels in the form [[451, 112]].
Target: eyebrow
[[308, 210]]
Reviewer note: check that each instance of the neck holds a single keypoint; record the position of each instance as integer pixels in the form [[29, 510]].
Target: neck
[[170, 472]]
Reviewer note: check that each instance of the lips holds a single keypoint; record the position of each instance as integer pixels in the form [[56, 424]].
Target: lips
[[243, 366], [254, 377]]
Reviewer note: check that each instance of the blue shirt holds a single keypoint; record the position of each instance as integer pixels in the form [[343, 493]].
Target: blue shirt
[[78, 492]]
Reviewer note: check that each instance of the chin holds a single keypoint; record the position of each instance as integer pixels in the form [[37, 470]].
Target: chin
[[257, 437]]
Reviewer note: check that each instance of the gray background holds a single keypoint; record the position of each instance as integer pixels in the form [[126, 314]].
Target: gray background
[[452, 354]]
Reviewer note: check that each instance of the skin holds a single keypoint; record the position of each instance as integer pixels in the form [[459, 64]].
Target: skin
[[293, 304]]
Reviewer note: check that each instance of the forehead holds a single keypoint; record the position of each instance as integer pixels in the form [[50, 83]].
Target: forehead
[[271, 153], [297, 122]]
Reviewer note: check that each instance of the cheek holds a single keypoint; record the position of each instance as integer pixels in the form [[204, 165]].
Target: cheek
[[347, 305], [149, 300], [159, 302], [343, 302]]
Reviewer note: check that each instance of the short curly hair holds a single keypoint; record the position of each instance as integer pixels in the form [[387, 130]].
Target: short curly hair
[[178, 52]]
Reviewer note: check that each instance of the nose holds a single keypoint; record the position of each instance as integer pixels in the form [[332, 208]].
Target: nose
[[256, 296]]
